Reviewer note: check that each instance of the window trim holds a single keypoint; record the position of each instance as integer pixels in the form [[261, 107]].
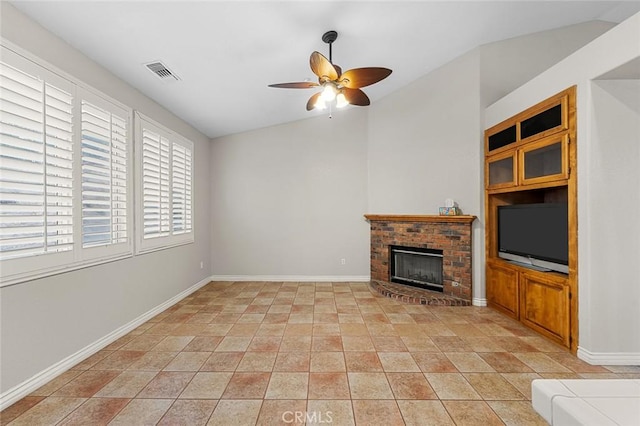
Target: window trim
[[21, 269], [143, 245]]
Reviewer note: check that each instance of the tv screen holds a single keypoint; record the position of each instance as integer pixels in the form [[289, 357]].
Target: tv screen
[[538, 231]]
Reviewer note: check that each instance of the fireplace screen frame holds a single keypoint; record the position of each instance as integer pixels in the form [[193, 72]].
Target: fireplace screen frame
[[393, 249]]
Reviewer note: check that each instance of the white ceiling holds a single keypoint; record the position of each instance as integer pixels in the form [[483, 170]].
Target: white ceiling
[[227, 52]]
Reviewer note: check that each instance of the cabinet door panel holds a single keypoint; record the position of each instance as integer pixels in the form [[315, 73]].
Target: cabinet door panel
[[502, 289], [500, 170], [502, 138], [545, 306], [547, 121], [544, 161]]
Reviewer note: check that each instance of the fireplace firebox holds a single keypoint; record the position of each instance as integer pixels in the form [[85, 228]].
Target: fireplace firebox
[[416, 266]]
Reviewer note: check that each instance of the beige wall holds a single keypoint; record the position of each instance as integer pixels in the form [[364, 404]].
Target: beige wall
[[612, 230], [46, 320], [287, 201], [425, 145], [505, 65]]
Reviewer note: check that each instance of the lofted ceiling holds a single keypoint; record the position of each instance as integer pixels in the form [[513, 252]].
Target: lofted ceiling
[[227, 52]]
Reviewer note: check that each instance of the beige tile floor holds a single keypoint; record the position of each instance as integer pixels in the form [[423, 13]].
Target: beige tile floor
[[315, 353]]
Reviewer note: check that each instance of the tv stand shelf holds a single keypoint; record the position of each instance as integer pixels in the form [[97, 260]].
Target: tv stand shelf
[[530, 159]]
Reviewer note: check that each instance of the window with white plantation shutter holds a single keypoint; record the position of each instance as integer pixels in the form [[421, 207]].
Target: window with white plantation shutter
[[155, 184], [104, 177], [181, 189], [65, 173], [36, 162], [164, 185]]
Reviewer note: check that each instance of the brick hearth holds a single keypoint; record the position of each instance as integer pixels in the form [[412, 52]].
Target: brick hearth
[[415, 295], [451, 234]]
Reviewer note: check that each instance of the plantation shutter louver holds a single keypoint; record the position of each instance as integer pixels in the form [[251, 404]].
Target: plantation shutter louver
[[155, 184], [181, 189], [104, 177], [36, 164]]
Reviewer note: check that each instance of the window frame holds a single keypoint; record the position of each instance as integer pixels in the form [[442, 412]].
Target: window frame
[[147, 245], [30, 267]]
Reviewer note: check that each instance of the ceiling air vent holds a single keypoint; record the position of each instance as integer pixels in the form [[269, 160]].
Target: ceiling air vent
[[161, 71]]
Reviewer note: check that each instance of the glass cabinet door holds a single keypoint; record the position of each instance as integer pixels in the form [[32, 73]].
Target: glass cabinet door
[[501, 170], [544, 161], [552, 119]]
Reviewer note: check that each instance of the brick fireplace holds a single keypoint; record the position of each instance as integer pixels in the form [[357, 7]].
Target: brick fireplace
[[451, 234]]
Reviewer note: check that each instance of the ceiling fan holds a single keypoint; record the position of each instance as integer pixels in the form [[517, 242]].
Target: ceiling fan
[[344, 88]]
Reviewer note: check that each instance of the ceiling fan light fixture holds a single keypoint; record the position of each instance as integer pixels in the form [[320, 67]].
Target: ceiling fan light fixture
[[329, 92], [320, 104], [341, 100], [337, 88]]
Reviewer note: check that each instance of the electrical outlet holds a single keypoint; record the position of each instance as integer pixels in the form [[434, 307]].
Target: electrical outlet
[[343, 261], [455, 283], [201, 264]]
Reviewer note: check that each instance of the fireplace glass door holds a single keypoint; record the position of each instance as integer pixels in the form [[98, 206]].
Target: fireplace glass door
[[419, 267]]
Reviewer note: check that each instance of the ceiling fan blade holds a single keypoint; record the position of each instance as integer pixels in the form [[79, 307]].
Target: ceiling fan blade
[[297, 85], [311, 103], [322, 67], [356, 97], [362, 77]]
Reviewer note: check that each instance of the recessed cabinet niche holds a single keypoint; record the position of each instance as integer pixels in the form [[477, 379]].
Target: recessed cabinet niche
[[531, 158]]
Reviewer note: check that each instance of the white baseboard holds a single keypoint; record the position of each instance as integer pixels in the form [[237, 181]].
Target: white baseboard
[[477, 301], [609, 358], [299, 278], [25, 388]]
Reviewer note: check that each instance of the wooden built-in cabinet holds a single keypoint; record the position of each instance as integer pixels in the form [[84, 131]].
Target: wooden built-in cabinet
[[503, 289], [540, 300], [544, 304], [531, 158], [538, 162], [543, 161]]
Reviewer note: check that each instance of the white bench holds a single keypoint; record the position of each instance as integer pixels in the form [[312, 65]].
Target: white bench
[[587, 402]]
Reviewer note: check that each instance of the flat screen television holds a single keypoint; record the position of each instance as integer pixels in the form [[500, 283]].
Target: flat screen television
[[535, 235]]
